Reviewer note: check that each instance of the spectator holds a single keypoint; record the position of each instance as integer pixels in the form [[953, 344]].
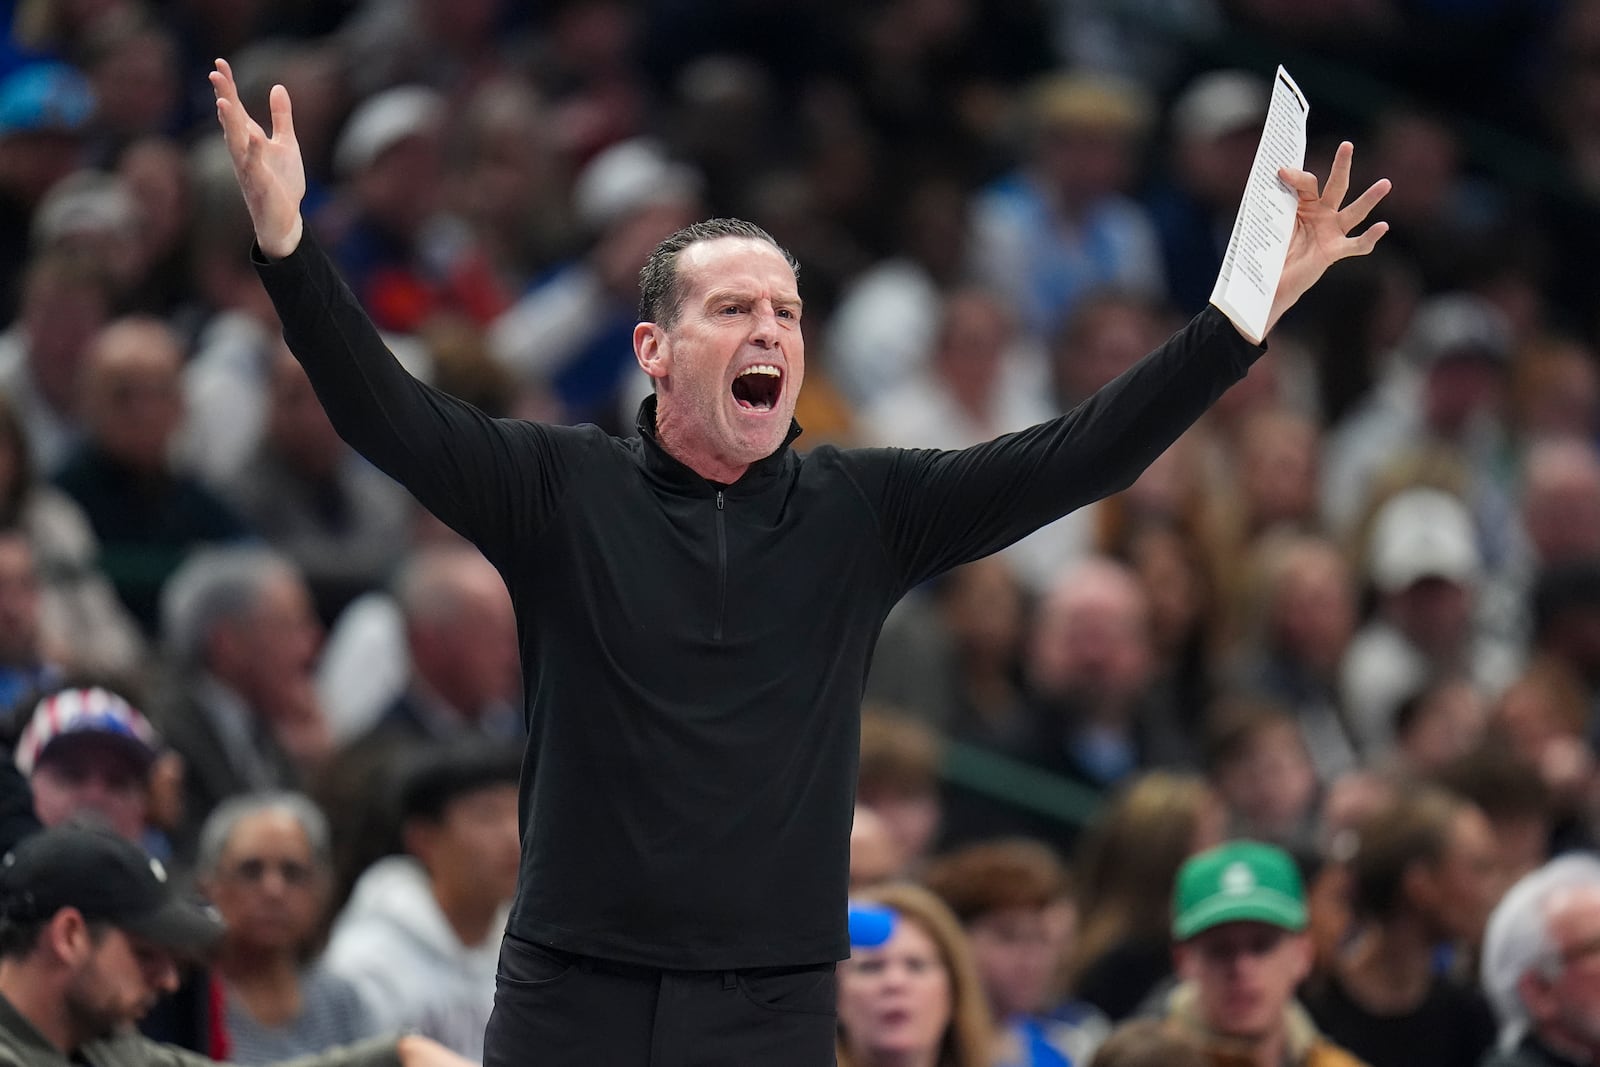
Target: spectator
[[1216, 122], [29, 662], [979, 382], [1062, 225], [263, 863], [1527, 819], [88, 756], [1258, 763], [883, 329], [45, 110], [874, 853], [91, 758], [65, 300], [1300, 629], [462, 680], [1425, 564], [1424, 877], [309, 494], [1539, 957], [1124, 894], [404, 258], [1091, 671], [1239, 923], [421, 935], [93, 933], [1147, 1042], [917, 996], [1437, 726], [1445, 393], [241, 709], [80, 622], [899, 780], [1013, 901], [952, 658], [574, 329], [147, 515]]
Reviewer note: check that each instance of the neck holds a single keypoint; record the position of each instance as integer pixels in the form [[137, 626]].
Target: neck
[[1389, 969], [899, 1058], [259, 969], [40, 1002], [471, 919], [680, 442], [267, 982]]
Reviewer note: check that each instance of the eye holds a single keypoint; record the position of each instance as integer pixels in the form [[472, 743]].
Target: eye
[[731, 309], [786, 313]]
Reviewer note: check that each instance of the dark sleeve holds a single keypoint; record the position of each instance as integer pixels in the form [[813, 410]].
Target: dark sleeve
[[939, 509], [492, 480]]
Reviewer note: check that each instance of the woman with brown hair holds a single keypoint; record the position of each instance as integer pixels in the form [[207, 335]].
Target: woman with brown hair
[[915, 1000], [1126, 869]]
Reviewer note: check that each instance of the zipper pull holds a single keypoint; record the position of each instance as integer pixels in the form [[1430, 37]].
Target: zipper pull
[[719, 499]]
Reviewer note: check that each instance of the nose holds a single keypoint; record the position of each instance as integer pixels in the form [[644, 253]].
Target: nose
[[764, 333]]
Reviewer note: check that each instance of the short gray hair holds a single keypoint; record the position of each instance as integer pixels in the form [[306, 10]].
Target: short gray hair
[[219, 826], [1517, 938], [214, 585]]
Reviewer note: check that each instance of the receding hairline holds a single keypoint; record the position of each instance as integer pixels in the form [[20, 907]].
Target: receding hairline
[[685, 258]]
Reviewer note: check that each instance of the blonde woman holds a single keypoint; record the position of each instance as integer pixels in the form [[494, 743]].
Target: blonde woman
[[915, 1000]]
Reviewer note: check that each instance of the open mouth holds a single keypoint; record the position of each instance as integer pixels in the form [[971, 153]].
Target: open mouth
[[757, 388]]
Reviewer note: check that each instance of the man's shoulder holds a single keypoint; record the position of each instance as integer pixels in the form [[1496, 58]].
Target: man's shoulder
[[136, 1050]]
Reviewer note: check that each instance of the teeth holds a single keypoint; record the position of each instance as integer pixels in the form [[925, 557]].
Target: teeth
[[762, 368]]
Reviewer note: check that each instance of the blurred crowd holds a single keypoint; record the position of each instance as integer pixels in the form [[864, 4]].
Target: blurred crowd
[[1354, 614]]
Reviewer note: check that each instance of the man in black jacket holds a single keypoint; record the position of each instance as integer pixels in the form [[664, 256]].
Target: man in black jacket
[[697, 609]]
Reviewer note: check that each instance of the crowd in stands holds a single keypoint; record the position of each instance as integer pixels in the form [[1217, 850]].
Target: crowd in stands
[[1342, 641]]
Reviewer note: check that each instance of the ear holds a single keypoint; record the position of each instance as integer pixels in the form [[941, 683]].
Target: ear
[[1304, 955], [418, 837], [1183, 961], [1533, 989], [652, 350], [68, 937]]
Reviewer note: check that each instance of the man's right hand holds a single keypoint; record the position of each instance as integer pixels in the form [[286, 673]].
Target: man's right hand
[[270, 172]]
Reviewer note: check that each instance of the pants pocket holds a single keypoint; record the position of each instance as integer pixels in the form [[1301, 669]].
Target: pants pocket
[[805, 990], [525, 964]]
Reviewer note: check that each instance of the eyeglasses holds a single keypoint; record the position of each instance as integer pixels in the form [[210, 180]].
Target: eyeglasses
[[254, 871]]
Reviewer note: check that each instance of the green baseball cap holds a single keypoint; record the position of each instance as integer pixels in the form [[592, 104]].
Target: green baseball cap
[[1241, 881]]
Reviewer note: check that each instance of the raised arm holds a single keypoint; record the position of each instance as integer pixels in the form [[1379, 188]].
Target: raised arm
[[492, 480], [936, 510]]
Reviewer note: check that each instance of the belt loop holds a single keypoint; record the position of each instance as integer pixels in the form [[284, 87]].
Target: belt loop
[[730, 979]]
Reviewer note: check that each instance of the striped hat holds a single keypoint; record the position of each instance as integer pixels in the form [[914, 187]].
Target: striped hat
[[78, 712]]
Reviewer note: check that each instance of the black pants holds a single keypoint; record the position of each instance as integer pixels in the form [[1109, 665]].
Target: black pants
[[555, 1009]]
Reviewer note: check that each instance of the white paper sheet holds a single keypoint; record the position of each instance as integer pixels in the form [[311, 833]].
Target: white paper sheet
[[1253, 262]]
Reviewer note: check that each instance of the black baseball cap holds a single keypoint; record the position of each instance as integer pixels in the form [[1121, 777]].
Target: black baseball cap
[[108, 879]]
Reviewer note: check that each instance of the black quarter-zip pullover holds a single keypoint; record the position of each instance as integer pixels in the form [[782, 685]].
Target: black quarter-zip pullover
[[694, 654]]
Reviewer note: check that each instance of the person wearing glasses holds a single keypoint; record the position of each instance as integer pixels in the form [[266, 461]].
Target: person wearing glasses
[[264, 865]]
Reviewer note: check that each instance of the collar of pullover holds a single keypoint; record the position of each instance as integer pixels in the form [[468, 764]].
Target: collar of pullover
[[663, 465]]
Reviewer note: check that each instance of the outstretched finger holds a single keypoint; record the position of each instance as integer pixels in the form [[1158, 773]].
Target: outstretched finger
[[1339, 176], [282, 116], [1360, 246], [1355, 214]]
